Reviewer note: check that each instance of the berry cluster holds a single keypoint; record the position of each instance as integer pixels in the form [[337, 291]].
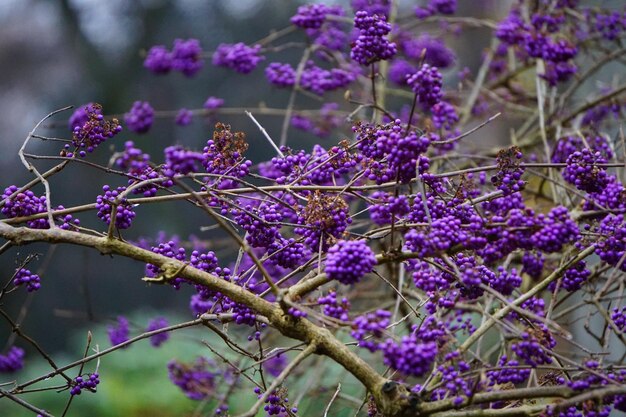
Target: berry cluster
[[12, 361], [333, 307], [392, 152], [313, 16], [224, 153], [583, 172], [427, 84], [185, 57], [26, 203], [124, 213], [372, 44], [24, 276], [348, 261], [184, 117], [371, 326], [157, 324], [431, 50], [323, 219], [89, 130], [140, 117], [196, 380], [508, 179], [81, 383], [238, 57], [410, 356], [313, 78], [120, 332], [436, 7]]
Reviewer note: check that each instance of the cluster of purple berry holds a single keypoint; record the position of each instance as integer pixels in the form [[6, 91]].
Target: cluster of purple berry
[[124, 213], [140, 117], [392, 152], [534, 346], [619, 318], [334, 307], [431, 50], [185, 57], [26, 203], [223, 154], [184, 117], [372, 44], [24, 276], [276, 402], [368, 329], [238, 57], [120, 332], [313, 16], [196, 380], [181, 161], [583, 172], [81, 383], [348, 261], [12, 361], [410, 356], [313, 78], [323, 219], [427, 84], [158, 324], [89, 130], [433, 7], [508, 179]]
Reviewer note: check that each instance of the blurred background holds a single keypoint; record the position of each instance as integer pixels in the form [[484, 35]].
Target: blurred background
[[55, 53]]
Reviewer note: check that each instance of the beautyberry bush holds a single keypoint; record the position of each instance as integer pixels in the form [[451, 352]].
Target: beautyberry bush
[[454, 244]]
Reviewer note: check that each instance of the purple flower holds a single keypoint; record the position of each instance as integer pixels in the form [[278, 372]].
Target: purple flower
[[120, 332], [140, 117], [238, 57]]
